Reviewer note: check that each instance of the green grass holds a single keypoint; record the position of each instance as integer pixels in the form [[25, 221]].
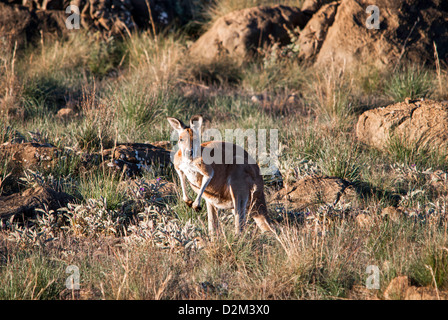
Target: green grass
[[412, 153], [432, 268], [410, 82], [31, 275], [99, 184]]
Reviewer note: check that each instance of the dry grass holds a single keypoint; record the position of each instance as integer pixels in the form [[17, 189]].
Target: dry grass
[[123, 89]]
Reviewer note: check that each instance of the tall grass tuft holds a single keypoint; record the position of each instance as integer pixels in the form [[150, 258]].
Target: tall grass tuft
[[413, 153], [97, 131], [332, 97], [409, 82]]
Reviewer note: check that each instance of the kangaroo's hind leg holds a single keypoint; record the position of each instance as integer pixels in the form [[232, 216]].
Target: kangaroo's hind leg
[[239, 200], [212, 217]]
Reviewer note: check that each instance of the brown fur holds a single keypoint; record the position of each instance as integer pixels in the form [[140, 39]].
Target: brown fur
[[224, 185]]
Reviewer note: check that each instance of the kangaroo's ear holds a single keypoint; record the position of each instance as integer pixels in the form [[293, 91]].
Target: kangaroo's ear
[[196, 122], [176, 124]]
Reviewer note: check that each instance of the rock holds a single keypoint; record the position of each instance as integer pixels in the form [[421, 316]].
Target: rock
[[113, 17], [25, 204], [419, 123], [400, 289], [29, 155], [65, 113], [110, 17], [316, 190], [408, 30], [21, 25], [134, 158], [439, 182], [392, 213], [25, 23], [313, 35], [397, 288], [19, 157], [293, 99], [311, 6], [240, 34], [360, 292]]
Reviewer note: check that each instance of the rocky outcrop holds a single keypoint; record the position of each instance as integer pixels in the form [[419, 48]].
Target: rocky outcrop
[[339, 32], [27, 20], [313, 35], [240, 34], [20, 25], [29, 155], [414, 123], [134, 158], [400, 289], [23, 205], [407, 30]]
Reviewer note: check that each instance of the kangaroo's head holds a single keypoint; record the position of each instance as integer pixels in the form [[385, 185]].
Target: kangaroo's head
[[189, 136]]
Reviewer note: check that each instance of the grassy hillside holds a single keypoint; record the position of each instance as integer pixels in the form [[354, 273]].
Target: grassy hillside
[[123, 89]]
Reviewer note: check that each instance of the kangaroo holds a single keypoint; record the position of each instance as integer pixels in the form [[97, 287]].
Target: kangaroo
[[222, 173]]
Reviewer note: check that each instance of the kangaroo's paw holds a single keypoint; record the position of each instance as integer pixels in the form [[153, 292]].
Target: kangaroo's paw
[[196, 206]]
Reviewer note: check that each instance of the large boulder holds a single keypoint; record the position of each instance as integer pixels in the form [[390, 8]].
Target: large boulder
[[408, 30], [240, 34], [415, 123]]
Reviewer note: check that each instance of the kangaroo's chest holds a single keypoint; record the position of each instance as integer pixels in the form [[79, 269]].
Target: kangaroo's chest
[[193, 175], [218, 196]]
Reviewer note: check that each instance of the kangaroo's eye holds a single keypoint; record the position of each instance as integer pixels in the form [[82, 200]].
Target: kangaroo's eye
[[181, 140]]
